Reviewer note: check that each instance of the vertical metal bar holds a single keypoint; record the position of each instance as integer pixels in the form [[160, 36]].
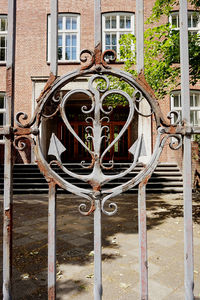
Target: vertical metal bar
[[97, 252], [97, 23], [52, 242], [8, 159], [142, 232], [142, 187], [187, 166], [140, 35], [54, 38]]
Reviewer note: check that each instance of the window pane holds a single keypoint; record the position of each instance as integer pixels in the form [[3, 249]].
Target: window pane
[[59, 40], [73, 40], [176, 101], [59, 53], [122, 22], [107, 39], [174, 21], [73, 53], [1, 101], [193, 117], [189, 21], [2, 55], [1, 119], [107, 22], [67, 41], [2, 41], [114, 23], [68, 23], [195, 21], [197, 100], [128, 22], [60, 23], [114, 39], [74, 23], [67, 53], [3, 24], [191, 100], [114, 48]]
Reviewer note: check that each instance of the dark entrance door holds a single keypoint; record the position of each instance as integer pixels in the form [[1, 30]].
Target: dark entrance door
[[76, 152]]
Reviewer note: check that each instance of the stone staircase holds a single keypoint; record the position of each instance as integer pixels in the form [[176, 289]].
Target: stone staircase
[[28, 179]]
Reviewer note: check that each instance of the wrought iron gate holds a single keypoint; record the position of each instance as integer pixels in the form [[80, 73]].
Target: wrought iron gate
[[51, 103]]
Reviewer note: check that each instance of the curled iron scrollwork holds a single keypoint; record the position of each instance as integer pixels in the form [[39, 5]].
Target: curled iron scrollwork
[[95, 140]]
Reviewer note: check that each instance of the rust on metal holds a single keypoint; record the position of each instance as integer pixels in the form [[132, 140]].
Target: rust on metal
[[8, 219], [97, 54], [97, 58], [51, 293], [47, 87], [145, 181], [22, 131], [9, 80], [92, 208]]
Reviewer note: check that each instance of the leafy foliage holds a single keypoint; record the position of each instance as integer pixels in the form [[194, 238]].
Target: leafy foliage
[[161, 57], [115, 84], [164, 7]]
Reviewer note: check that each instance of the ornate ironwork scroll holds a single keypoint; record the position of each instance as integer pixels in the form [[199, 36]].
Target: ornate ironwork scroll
[[97, 114]]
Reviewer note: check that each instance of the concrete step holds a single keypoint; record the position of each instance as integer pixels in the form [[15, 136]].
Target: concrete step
[[28, 179]]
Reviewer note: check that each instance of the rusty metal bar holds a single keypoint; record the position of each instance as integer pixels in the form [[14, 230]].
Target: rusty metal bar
[[97, 23], [187, 165], [52, 242], [54, 38], [98, 291], [142, 231], [8, 159], [140, 35]]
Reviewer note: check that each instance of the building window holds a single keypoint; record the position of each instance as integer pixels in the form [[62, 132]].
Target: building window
[[68, 37], [194, 106], [193, 21], [114, 25], [3, 37]]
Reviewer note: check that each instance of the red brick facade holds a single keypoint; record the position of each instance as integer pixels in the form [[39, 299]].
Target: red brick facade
[[31, 47]]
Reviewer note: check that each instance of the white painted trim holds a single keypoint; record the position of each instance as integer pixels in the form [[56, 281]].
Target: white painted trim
[[118, 31], [64, 32]]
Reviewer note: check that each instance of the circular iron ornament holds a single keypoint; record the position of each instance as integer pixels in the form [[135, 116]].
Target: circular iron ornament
[[97, 132]]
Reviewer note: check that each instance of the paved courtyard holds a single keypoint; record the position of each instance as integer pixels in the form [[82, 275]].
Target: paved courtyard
[[120, 248]]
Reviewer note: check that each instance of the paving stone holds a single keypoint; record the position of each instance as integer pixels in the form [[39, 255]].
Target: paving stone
[[68, 237], [158, 291], [163, 241], [79, 242]]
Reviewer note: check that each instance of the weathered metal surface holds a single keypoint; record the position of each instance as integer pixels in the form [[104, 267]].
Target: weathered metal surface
[[52, 242], [8, 159], [47, 87], [97, 23], [54, 38], [142, 231], [187, 164], [140, 35], [52, 103], [98, 290]]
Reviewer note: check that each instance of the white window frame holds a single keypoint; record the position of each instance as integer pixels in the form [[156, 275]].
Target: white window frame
[[193, 108], [65, 32], [118, 31], [4, 34], [191, 14]]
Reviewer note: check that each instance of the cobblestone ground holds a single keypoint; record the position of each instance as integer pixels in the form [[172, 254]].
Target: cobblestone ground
[[120, 248]]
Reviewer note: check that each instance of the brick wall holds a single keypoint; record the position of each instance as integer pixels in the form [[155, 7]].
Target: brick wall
[[31, 44]]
